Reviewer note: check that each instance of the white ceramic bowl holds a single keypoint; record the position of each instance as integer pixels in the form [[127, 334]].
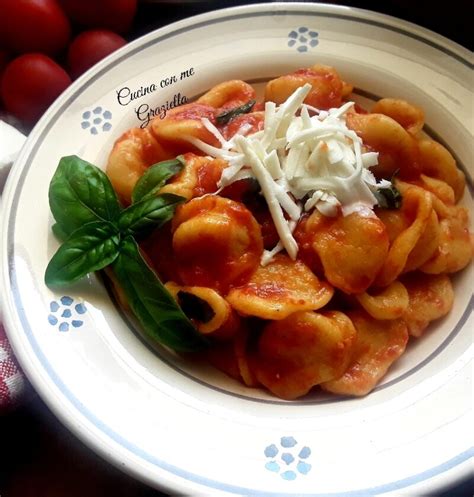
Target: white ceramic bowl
[[183, 426]]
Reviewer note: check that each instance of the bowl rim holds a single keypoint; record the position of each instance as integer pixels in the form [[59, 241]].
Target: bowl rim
[[445, 45]]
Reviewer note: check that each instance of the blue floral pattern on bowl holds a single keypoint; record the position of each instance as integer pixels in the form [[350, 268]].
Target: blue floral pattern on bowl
[[288, 458], [96, 120], [65, 314], [303, 39]]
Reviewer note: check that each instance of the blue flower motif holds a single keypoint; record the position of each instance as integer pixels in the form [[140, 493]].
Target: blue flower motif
[[64, 314], [303, 39], [287, 458], [96, 120]]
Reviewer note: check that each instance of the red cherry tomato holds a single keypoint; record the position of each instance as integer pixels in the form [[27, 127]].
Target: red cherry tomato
[[30, 84], [91, 46], [116, 15], [4, 56], [34, 26], [3, 65]]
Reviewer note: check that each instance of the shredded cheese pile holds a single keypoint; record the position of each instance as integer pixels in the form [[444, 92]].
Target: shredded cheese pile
[[303, 159]]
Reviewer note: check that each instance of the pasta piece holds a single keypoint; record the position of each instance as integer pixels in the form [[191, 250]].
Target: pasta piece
[[416, 205], [132, 154], [222, 356], [279, 289], [426, 246], [456, 247], [436, 161], [280, 325], [390, 303], [304, 235], [184, 122], [198, 177], [398, 149], [378, 345], [394, 220], [228, 95], [243, 359], [245, 124], [303, 350], [217, 242], [409, 116], [442, 209], [327, 92], [438, 188], [352, 249], [431, 297], [208, 310], [232, 358]]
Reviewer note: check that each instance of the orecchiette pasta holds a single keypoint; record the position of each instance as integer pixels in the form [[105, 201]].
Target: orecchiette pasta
[[439, 188], [198, 177], [407, 115], [280, 289], [228, 95], [216, 241], [352, 249], [417, 206], [377, 345], [135, 151], [304, 350], [397, 148], [436, 161], [327, 87], [182, 123], [295, 287], [455, 248], [430, 297], [390, 303], [210, 312]]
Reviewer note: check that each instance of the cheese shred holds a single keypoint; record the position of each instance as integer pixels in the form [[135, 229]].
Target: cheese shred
[[303, 159]]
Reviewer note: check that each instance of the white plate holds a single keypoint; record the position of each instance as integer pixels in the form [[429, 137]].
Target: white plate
[[185, 427]]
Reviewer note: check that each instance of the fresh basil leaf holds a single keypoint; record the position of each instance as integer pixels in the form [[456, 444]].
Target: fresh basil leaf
[[151, 212], [157, 311], [388, 198], [80, 193], [155, 178], [58, 232], [89, 248], [228, 115]]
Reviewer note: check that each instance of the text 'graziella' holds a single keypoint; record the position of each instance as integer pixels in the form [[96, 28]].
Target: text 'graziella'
[[145, 112]]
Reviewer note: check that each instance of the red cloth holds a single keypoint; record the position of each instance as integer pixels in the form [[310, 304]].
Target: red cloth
[[13, 384]]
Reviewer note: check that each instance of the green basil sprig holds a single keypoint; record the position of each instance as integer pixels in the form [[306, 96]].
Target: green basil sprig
[[98, 232], [148, 213], [228, 115], [80, 193], [161, 318], [155, 178], [90, 248]]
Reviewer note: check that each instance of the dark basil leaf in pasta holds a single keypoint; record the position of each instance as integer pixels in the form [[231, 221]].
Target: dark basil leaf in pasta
[[151, 212], [195, 307], [158, 313], [388, 198], [155, 178], [80, 193], [90, 248], [228, 115]]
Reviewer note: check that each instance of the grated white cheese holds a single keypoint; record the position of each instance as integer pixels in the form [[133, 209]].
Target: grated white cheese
[[303, 159]]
